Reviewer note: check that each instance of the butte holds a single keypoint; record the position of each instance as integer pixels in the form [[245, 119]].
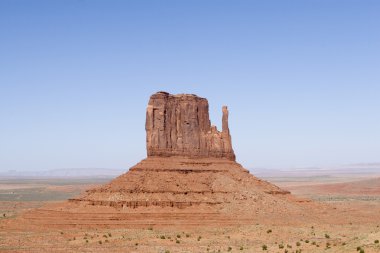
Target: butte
[[189, 178]]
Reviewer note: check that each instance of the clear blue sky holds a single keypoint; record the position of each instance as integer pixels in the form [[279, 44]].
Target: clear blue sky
[[301, 78]]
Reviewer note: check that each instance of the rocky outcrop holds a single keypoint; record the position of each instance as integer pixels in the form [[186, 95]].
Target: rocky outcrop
[[190, 177], [179, 125]]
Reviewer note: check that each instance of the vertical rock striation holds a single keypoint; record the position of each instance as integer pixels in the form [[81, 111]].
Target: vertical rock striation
[[179, 125]]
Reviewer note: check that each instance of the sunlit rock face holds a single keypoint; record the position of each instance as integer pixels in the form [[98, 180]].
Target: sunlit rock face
[[179, 125]]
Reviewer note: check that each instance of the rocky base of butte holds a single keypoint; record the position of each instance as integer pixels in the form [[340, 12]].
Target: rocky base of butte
[[190, 177]]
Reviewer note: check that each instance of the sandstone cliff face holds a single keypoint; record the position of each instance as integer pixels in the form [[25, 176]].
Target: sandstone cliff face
[[179, 125]]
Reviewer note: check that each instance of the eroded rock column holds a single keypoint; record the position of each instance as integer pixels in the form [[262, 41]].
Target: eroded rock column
[[179, 125]]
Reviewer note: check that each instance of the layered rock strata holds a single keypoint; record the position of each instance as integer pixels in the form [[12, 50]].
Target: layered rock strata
[[179, 125], [190, 177]]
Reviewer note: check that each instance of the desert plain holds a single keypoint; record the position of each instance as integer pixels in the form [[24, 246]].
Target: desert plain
[[353, 203]]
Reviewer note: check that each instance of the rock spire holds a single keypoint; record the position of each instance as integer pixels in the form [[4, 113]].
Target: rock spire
[[179, 125]]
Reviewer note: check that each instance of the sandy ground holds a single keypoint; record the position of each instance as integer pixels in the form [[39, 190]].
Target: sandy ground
[[361, 232]]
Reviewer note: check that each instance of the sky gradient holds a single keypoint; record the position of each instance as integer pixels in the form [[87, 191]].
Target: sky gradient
[[301, 78]]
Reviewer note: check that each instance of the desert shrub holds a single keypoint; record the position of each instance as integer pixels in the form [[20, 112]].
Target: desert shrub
[[313, 243], [376, 241], [281, 246], [199, 238], [229, 249], [106, 240], [361, 251], [177, 241], [100, 242], [269, 231], [289, 246], [298, 244], [264, 247], [187, 235], [162, 237], [109, 235], [307, 241], [167, 251], [86, 241], [327, 236], [178, 236], [136, 244], [241, 248], [358, 248]]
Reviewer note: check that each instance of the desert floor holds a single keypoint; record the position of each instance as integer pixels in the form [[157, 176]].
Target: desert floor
[[360, 197]]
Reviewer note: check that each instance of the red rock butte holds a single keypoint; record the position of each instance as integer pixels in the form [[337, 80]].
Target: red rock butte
[[190, 177], [179, 125]]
